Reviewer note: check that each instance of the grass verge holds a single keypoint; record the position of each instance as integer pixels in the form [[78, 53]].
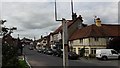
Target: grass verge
[[22, 64]]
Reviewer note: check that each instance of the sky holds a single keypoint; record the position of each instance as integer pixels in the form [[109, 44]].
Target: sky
[[34, 18]]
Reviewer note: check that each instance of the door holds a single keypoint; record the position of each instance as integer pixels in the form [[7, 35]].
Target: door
[[114, 54]]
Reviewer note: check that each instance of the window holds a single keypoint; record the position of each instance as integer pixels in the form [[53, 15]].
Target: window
[[44, 42], [79, 51], [74, 49], [81, 40], [96, 39], [114, 52], [93, 50], [78, 48]]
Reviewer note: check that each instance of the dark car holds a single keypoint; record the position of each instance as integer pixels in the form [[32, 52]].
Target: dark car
[[31, 48], [40, 50], [71, 55], [44, 51], [57, 52], [49, 51]]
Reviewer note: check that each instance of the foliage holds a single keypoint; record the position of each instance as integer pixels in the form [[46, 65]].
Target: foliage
[[114, 44], [82, 52], [91, 55], [9, 56], [22, 64], [9, 49]]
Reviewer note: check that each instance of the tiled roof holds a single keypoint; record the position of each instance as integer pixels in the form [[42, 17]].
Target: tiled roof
[[70, 22], [105, 30], [59, 29]]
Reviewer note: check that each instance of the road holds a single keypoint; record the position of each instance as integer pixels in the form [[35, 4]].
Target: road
[[38, 60]]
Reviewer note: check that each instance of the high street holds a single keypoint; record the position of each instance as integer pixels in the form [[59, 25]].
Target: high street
[[36, 59]]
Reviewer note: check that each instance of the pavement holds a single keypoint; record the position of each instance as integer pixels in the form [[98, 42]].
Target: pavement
[[101, 62]]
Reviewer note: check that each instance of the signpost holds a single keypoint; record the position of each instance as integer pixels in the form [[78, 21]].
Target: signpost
[[65, 43], [64, 36]]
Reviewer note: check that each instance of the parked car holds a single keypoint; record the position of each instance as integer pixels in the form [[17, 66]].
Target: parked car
[[57, 52], [105, 54], [49, 51], [31, 48], [71, 55], [44, 51], [39, 50]]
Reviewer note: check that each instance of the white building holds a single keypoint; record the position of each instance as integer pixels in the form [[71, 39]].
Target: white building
[[92, 37]]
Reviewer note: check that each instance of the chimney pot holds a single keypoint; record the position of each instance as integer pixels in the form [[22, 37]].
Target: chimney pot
[[74, 16], [98, 22]]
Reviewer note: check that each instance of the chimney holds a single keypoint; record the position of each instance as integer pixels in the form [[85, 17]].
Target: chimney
[[80, 17], [41, 36], [98, 22], [74, 16]]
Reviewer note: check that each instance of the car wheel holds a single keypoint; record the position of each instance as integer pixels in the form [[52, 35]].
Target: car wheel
[[104, 58]]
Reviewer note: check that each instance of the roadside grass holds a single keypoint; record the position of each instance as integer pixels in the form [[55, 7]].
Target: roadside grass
[[22, 64]]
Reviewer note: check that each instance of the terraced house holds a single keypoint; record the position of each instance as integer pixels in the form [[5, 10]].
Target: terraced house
[[80, 35], [92, 37], [73, 25]]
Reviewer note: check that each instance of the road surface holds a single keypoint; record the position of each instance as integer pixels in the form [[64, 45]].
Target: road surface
[[38, 60]]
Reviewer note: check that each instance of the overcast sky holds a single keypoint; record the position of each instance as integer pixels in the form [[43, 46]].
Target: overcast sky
[[36, 17]]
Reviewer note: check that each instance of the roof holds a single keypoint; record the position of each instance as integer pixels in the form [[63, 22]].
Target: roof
[[105, 30], [70, 22], [59, 29]]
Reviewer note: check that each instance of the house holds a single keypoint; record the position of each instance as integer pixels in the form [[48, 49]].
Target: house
[[27, 41], [44, 42], [92, 37], [73, 25]]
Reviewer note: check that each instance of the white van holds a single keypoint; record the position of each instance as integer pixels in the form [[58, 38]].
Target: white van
[[107, 54]]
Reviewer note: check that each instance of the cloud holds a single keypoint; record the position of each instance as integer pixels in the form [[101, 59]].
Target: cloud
[[29, 15], [107, 11], [59, 0], [37, 18]]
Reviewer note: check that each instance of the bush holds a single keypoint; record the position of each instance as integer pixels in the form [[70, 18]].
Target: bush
[[9, 56], [82, 52], [92, 56]]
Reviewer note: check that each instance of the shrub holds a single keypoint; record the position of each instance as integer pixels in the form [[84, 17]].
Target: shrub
[[91, 55]]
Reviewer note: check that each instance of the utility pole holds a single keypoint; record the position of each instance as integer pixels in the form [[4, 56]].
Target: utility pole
[[64, 39], [64, 36], [65, 43]]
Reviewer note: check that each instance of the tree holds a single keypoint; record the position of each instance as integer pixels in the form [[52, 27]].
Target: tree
[[9, 49], [114, 44]]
